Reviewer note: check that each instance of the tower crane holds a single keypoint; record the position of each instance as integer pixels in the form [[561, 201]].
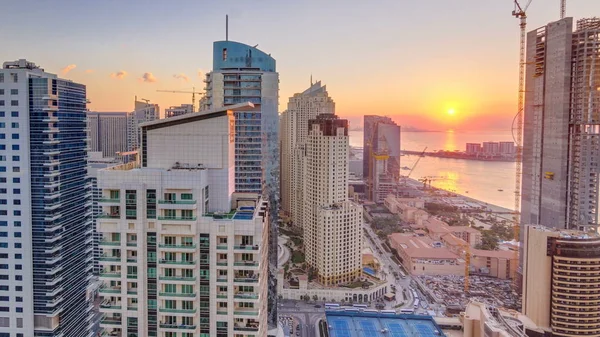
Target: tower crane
[[415, 164], [193, 92], [519, 12], [467, 250]]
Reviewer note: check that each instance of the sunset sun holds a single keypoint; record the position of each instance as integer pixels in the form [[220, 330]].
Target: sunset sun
[[451, 111]]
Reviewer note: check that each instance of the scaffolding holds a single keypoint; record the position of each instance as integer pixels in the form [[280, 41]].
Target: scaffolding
[[585, 126]]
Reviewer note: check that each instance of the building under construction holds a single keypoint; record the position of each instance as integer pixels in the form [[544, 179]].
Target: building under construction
[[562, 125], [381, 157]]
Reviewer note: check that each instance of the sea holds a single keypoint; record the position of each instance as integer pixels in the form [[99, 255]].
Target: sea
[[487, 181]]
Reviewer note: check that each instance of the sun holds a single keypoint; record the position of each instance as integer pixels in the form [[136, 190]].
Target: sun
[[451, 111]]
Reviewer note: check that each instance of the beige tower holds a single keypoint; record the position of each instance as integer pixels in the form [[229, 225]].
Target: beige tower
[[332, 223], [302, 107], [561, 280]]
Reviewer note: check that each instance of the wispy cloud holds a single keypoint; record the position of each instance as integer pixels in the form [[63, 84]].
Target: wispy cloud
[[148, 77], [119, 74], [182, 76], [89, 71], [68, 68]]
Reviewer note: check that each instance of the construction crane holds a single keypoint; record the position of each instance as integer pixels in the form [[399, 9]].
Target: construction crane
[[430, 179], [520, 13], [563, 8], [415, 164], [193, 92]]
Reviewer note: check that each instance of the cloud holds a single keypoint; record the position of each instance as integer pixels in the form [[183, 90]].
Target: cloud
[[89, 71], [200, 73], [148, 77], [68, 68], [119, 75], [182, 76]]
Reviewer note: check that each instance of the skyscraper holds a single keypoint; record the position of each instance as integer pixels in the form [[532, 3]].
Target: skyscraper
[[143, 112], [183, 254], [243, 73], [45, 214], [302, 107], [561, 282], [108, 132], [561, 126], [332, 223], [381, 156]]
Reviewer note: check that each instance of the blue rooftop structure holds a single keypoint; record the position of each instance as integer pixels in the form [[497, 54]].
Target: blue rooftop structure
[[359, 324], [232, 55]]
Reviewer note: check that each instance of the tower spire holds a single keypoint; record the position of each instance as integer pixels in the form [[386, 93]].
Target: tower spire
[[226, 27], [311, 82]]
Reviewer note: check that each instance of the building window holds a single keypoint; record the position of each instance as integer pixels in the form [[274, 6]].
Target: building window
[[14, 102], [14, 125], [15, 136], [1, 102], [14, 91], [13, 114]]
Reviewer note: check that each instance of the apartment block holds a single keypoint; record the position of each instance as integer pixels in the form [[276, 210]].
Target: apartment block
[[561, 280], [179, 110], [107, 132], [332, 223], [45, 205], [143, 112], [302, 107], [182, 253]]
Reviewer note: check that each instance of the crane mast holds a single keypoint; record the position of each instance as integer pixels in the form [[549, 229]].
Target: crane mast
[[520, 13], [563, 8]]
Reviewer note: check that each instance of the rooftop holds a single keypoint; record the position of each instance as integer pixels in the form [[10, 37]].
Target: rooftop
[[359, 324]]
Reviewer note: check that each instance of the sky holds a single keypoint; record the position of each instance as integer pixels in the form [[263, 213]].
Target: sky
[[411, 60]]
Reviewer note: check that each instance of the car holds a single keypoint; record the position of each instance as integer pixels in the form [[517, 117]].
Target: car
[[317, 306]]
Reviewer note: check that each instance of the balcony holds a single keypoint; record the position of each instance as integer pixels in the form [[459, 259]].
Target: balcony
[[132, 259], [132, 276], [186, 263], [105, 258], [111, 274], [178, 311], [222, 279], [251, 296], [109, 243], [177, 294], [177, 202], [177, 218], [132, 244], [246, 247], [222, 263], [177, 326], [110, 305], [246, 264], [245, 279], [132, 291], [222, 247], [190, 246], [246, 328], [110, 321], [176, 278], [110, 290], [109, 200], [109, 216], [245, 311], [222, 295]]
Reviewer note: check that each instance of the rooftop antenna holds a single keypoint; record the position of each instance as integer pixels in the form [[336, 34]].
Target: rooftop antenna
[[226, 27], [311, 82]]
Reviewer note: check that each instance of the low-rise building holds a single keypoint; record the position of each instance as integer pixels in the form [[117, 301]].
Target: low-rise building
[[479, 319], [422, 256]]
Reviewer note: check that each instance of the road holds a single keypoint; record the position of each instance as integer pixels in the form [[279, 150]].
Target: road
[[306, 314], [388, 265]]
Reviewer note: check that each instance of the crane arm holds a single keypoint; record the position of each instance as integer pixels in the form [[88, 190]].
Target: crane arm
[[415, 164]]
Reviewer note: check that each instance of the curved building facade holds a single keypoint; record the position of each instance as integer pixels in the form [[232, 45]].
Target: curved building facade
[[561, 285]]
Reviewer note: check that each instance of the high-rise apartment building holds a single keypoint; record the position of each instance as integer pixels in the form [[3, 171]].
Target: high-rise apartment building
[[473, 148], [506, 148], [332, 223], [243, 73], [45, 209], [302, 107], [179, 110], [108, 132], [381, 156], [490, 148], [183, 254], [143, 112], [561, 280], [561, 138]]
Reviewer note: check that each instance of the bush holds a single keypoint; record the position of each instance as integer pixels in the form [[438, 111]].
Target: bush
[[297, 257]]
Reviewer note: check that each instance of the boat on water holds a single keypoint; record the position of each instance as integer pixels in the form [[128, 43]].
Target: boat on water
[[466, 191], [500, 190]]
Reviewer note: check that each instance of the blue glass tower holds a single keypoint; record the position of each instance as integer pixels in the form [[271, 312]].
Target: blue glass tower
[[49, 223]]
